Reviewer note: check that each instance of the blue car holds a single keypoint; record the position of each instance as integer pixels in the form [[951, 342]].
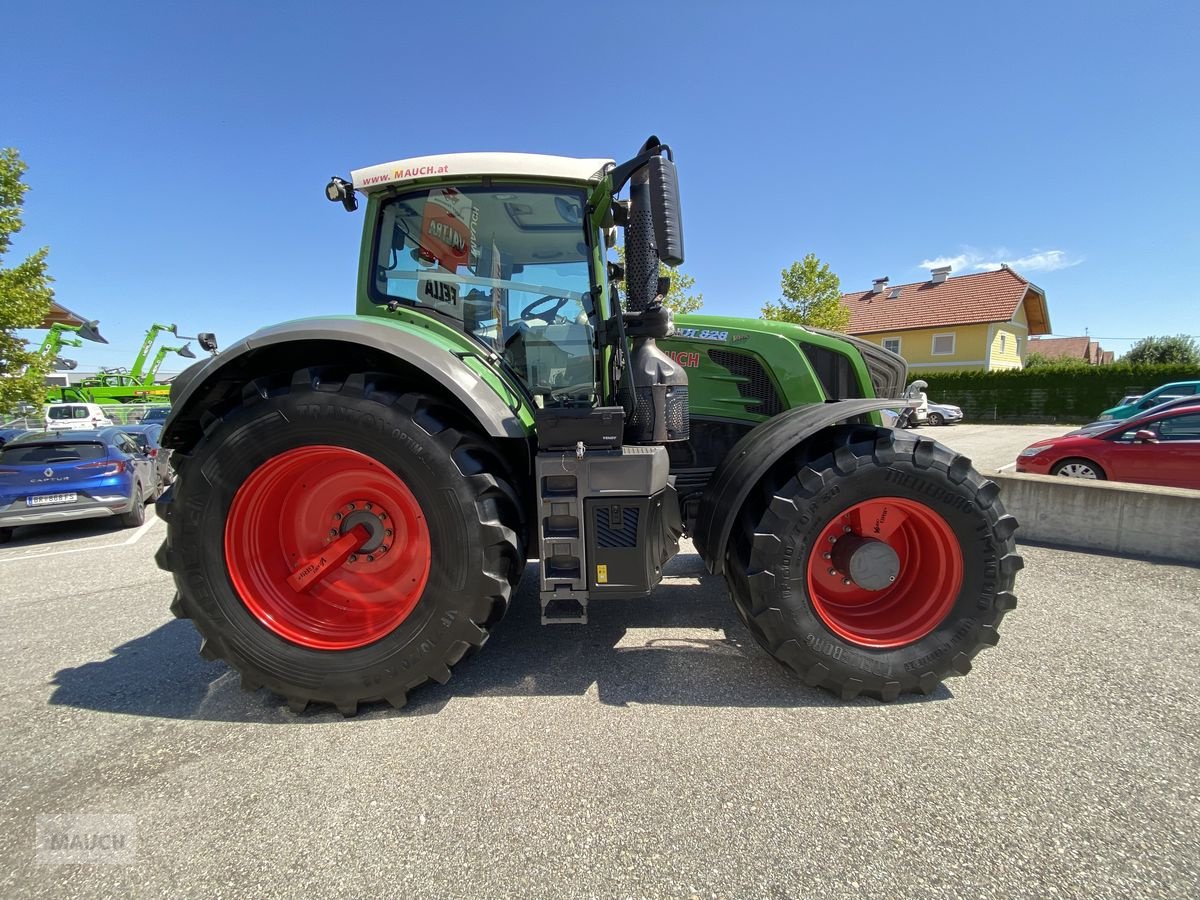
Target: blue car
[[63, 475]]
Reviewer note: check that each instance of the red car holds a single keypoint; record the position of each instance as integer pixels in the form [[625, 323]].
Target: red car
[[1161, 447]]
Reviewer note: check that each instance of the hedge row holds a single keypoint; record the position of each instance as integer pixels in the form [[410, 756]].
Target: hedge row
[[1050, 394]]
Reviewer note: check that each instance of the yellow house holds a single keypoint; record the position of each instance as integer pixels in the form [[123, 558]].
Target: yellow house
[[981, 321]]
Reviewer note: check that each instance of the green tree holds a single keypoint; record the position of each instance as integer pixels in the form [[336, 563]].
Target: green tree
[[25, 296], [679, 298], [1177, 348], [811, 294]]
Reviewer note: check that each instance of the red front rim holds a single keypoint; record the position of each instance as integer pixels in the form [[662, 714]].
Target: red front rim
[[290, 511], [925, 586]]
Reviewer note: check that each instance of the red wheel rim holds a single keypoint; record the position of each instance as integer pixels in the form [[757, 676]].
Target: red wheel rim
[[291, 510], [925, 586]]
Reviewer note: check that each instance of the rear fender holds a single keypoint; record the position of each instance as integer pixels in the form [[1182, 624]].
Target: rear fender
[[210, 386], [749, 460]]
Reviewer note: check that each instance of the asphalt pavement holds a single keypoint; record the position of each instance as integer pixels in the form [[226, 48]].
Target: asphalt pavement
[[990, 446], [656, 752]]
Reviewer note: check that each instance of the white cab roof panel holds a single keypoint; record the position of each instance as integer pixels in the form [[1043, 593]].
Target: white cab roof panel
[[449, 165]]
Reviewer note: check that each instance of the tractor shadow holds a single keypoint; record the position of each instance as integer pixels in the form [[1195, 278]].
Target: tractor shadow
[[627, 654]]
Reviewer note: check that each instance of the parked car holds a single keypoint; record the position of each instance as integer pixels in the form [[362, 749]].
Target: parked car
[[63, 475], [1150, 399], [1170, 403], [147, 437], [75, 416], [8, 434], [1159, 447], [944, 414], [156, 414]]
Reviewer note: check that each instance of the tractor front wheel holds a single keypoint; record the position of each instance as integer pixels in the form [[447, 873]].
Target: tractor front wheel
[[881, 566], [336, 540]]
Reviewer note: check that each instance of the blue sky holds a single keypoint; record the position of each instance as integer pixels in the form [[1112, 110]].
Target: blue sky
[[178, 152]]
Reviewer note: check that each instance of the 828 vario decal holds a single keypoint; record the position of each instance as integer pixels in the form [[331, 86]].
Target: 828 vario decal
[[703, 334]]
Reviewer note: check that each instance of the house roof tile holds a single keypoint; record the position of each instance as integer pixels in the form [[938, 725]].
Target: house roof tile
[[1060, 348], [964, 300]]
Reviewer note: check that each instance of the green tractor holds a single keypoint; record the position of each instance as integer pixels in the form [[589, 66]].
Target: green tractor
[[357, 495]]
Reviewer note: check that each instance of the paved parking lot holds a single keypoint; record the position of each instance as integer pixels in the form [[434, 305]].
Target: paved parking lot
[[654, 752], [991, 446]]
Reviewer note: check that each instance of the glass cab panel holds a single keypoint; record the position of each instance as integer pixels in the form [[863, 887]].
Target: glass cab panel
[[508, 265]]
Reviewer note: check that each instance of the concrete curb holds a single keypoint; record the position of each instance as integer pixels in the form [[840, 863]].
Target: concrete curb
[[1133, 519]]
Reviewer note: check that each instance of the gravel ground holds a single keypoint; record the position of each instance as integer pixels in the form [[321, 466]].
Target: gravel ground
[[656, 752]]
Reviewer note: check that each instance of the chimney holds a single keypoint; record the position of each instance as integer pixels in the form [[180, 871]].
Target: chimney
[[939, 274], [878, 285]]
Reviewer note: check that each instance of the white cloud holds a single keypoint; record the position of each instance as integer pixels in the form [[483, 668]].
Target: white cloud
[[1037, 261], [980, 261]]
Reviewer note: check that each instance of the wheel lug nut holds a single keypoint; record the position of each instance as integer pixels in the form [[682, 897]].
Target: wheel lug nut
[[833, 571], [845, 529], [826, 555], [845, 581], [891, 578], [832, 539], [333, 532], [349, 506], [353, 557], [370, 558]]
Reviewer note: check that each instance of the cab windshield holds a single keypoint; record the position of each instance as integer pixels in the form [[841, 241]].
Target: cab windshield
[[509, 266]]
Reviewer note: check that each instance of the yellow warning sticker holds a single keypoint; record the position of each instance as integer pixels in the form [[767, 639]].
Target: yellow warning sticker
[[601, 574]]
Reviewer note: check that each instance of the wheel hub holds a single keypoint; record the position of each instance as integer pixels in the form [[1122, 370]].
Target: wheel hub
[[871, 564], [370, 516]]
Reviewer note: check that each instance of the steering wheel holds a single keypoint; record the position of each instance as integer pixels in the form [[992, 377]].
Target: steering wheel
[[548, 315]]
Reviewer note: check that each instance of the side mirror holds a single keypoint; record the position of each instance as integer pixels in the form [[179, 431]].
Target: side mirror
[[664, 207], [1145, 436], [208, 341]]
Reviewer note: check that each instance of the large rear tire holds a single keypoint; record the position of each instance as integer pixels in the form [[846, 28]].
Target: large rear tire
[[880, 566], [276, 483]]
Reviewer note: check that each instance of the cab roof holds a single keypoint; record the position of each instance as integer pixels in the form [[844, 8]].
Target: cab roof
[[450, 165]]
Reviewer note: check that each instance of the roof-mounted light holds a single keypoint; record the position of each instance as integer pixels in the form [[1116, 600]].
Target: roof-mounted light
[[341, 190]]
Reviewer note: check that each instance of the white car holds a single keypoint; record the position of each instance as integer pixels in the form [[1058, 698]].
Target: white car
[[75, 416], [944, 414]]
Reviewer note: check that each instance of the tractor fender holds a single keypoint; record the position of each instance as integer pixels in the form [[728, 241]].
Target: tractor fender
[[204, 385], [751, 457]]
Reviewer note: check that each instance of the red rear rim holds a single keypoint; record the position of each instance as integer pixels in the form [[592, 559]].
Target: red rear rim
[[928, 571], [291, 512]]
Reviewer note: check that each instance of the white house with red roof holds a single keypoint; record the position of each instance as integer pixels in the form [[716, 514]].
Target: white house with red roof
[[981, 321]]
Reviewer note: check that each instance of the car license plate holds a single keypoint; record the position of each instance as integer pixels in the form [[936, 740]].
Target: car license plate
[[48, 499]]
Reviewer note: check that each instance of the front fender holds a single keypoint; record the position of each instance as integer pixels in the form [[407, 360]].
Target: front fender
[[749, 460], [499, 409]]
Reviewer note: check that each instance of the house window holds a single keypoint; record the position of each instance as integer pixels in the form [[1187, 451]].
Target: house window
[[892, 344], [1003, 344], [943, 344]]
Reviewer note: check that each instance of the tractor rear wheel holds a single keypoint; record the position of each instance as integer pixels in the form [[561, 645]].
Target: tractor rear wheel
[[880, 566], [338, 541]]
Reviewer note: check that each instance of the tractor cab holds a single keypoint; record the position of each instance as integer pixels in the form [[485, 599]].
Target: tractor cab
[[501, 246]]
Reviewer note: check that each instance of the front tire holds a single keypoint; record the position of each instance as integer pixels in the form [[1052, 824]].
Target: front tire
[[880, 567], [277, 482]]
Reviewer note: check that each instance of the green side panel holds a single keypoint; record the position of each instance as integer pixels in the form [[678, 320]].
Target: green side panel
[[713, 391]]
